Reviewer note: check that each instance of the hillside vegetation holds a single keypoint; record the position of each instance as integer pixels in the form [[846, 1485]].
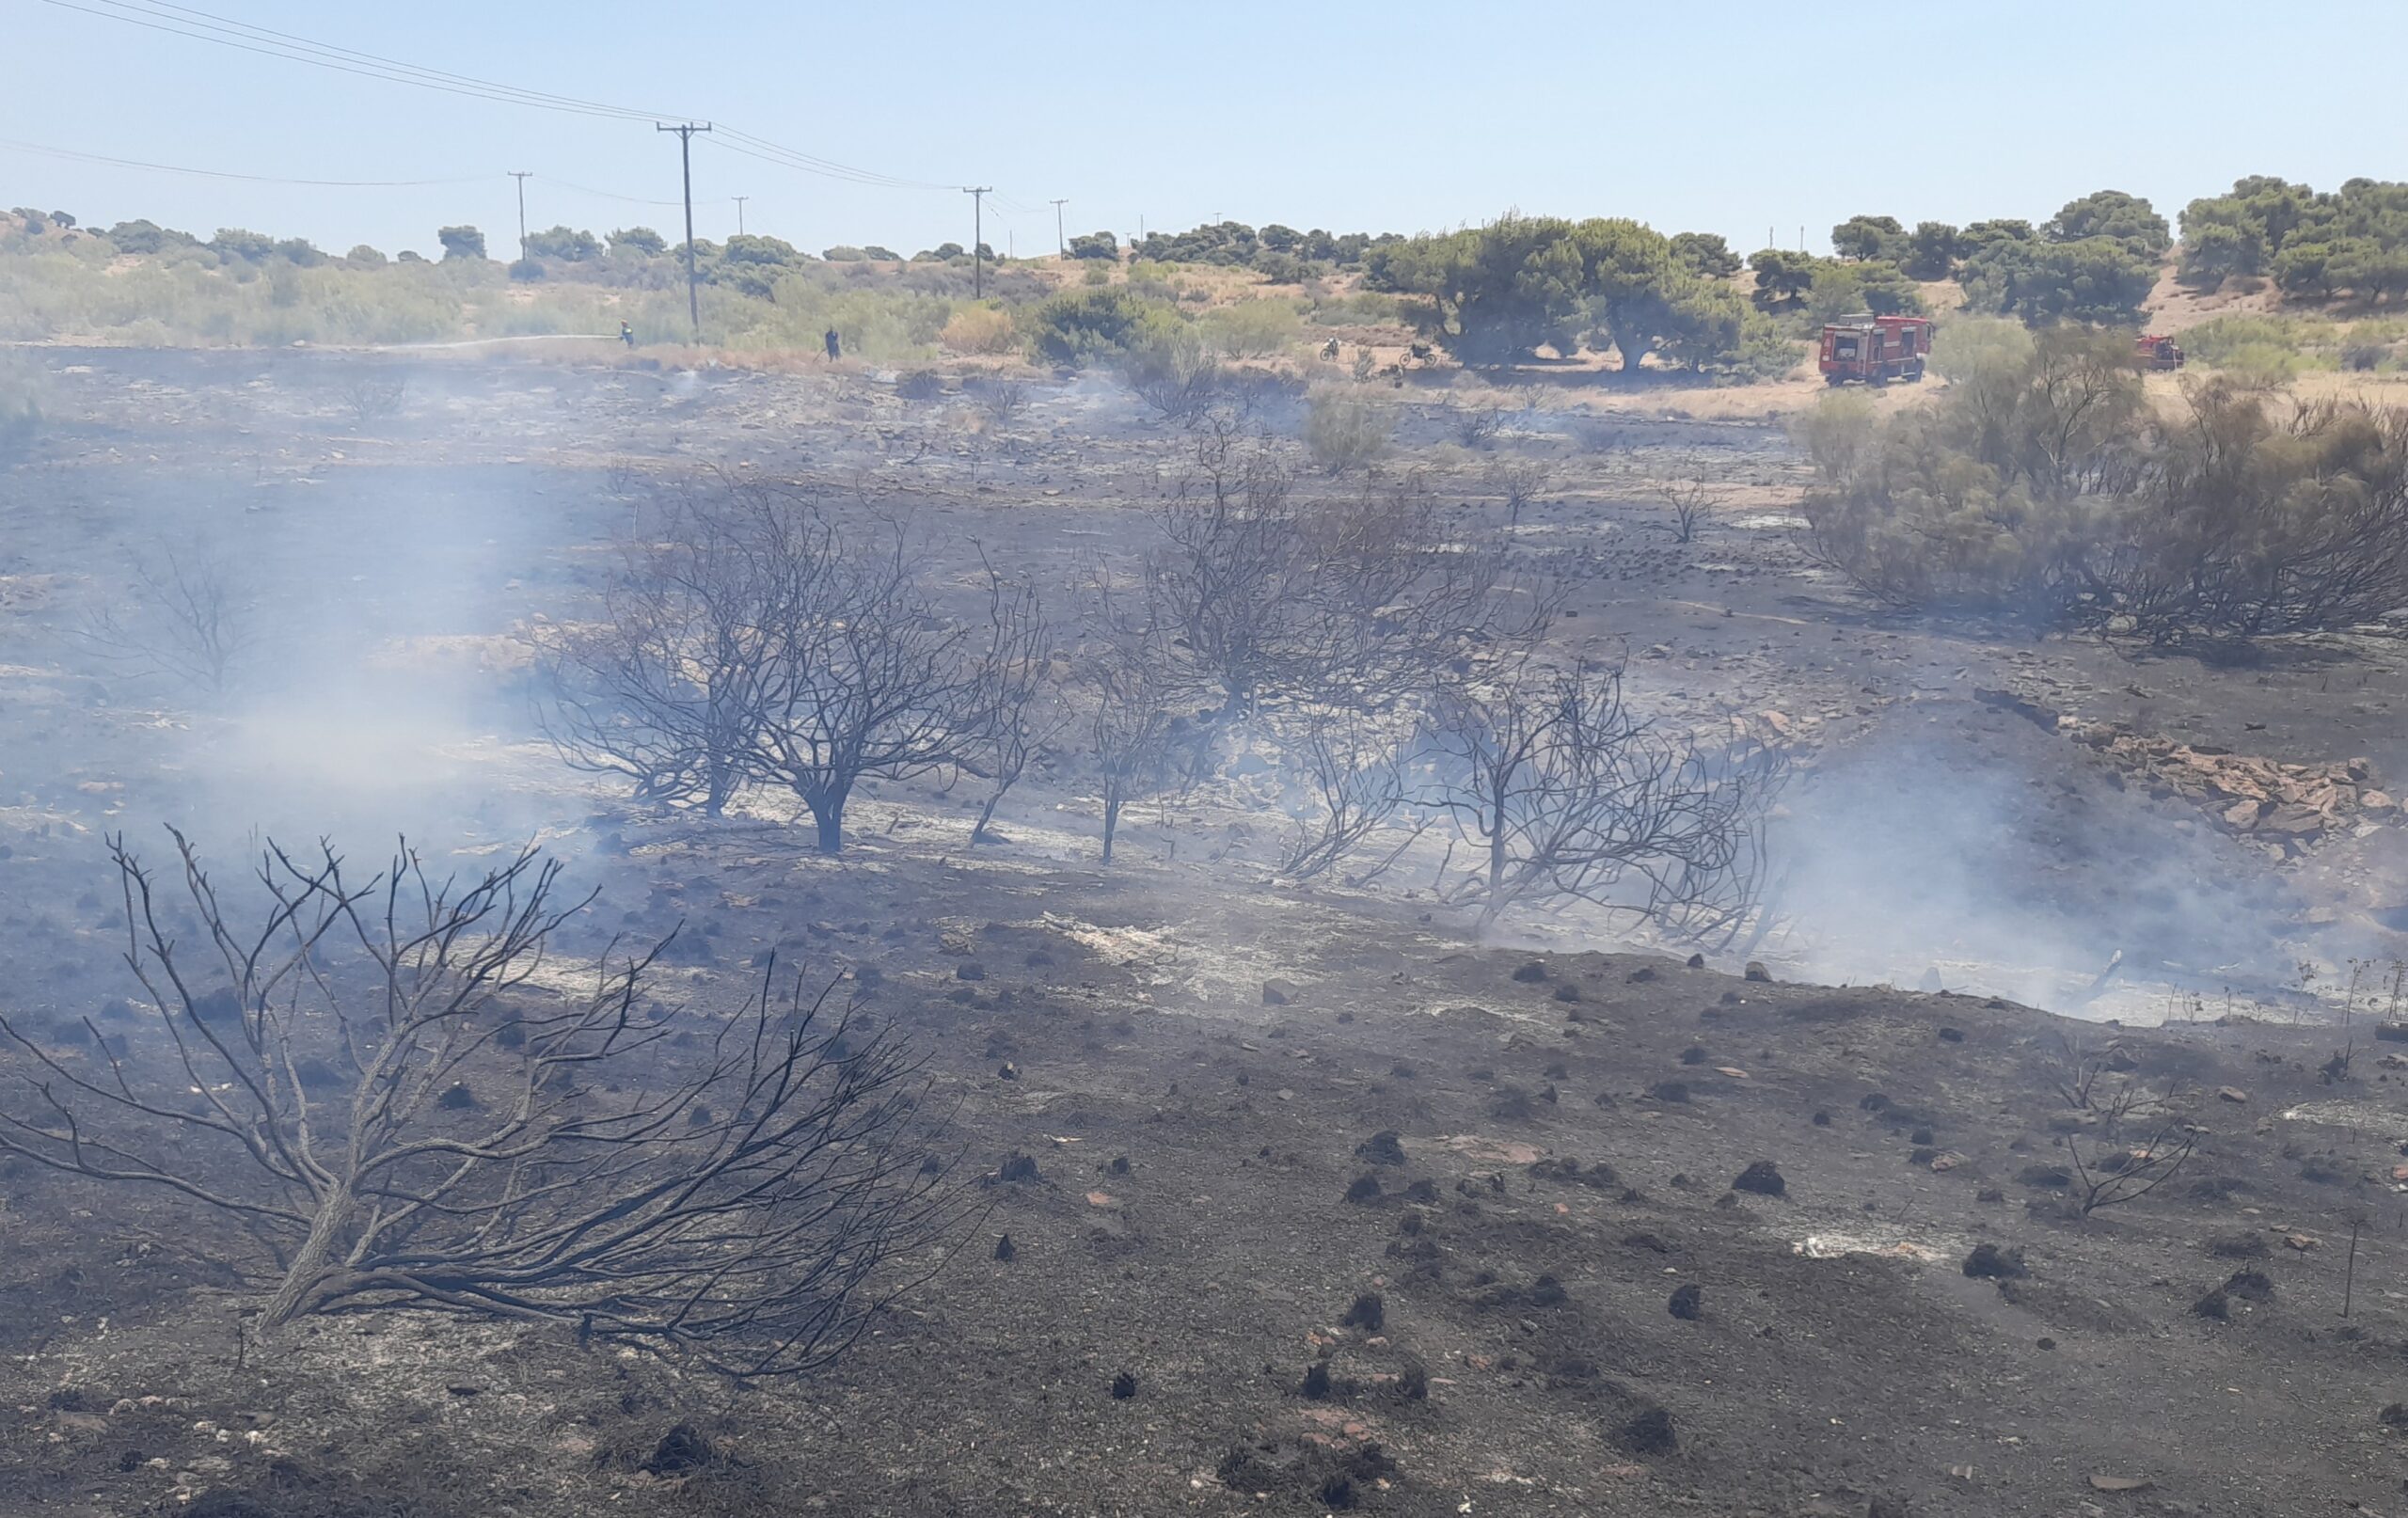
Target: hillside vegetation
[[1597, 294]]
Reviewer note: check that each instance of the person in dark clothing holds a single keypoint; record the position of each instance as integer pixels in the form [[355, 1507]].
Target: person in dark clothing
[[835, 350], [626, 333]]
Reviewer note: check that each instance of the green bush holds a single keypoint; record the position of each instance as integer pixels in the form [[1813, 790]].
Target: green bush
[[1091, 323], [1096, 245], [1258, 328], [461, 241], [641, 240], [1970, 349], [2273, 347], [1345, 428]]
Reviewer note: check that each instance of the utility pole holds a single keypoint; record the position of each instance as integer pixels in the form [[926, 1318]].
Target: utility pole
[[522, 178], [739, 214], [977, 237], [1061, 245], [686, 159]]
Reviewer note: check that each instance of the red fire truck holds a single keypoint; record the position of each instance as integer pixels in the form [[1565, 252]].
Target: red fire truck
[[1875, 349], [2154, 352]]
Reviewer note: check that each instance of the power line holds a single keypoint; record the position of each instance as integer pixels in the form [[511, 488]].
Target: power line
[[205, 26], [630, 199], [224, 174]]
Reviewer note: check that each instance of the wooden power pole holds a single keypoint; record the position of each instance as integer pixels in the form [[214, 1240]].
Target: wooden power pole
[[686, 162], [522, 176], [977, 238]]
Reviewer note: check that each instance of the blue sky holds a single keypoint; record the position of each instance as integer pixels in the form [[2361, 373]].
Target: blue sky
[[1407, 116]]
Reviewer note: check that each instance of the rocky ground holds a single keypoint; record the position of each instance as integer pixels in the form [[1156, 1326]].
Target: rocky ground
[[1313, 1205]]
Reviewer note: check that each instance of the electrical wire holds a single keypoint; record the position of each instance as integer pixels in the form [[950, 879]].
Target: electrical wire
[[206, 27], [224, 174]]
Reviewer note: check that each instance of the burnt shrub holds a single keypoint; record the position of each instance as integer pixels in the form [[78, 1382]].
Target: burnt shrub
[[1365, 1188], [1988, 1262], [2251, 1285], [1763, 1179], [1370, 1313], [1649, 1432], [1688, 1304]]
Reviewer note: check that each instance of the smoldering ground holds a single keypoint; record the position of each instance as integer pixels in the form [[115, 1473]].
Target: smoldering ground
[[1959, 845]]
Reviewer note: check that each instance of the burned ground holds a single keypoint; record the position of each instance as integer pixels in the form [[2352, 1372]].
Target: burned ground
[[1192, 1172]]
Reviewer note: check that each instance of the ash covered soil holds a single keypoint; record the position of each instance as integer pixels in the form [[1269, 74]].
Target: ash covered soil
[[1312, 1205]]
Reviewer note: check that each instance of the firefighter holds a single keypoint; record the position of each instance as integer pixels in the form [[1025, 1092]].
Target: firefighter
[[626, 333], [835, 349], [1329, 349]]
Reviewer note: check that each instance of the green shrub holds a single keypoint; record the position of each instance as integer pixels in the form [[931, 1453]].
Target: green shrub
[[1968, 349], [1345, 428], [2269, 347], [1251, 328], [1089, 324]]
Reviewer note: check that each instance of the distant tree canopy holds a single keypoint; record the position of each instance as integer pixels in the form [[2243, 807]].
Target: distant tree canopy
[[1495, 294], [461, 241], [638, 240], [754, 264], [1705, 255], [2126, 218], [1783, 277], [2102, 281], [1932, 250], [148, 237], [250, 246], [1870, 237], [1277, 247], [941, 253], [565, 244], [1095, 245], [2094, 261], [2314, 244], [1827, 289]]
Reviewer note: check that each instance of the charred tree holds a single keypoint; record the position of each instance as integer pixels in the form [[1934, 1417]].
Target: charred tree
[[668, 686], [750, 1188], [1566, 794]]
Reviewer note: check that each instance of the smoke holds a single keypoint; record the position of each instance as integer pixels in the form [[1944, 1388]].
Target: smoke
[[1964, 845]]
